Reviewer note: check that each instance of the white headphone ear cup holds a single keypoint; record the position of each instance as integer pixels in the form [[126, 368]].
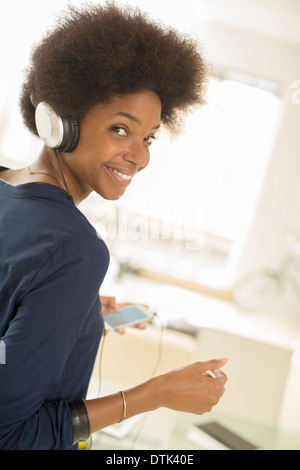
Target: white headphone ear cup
[[49, 125]]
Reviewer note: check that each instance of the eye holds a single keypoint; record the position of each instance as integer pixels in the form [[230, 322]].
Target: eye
[[149, 139], [119, 130]]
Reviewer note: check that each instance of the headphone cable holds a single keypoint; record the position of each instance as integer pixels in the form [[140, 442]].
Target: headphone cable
[[62, 174], [159, 357]]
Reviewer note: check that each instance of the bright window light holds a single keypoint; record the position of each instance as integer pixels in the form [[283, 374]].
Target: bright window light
[[209, 179]]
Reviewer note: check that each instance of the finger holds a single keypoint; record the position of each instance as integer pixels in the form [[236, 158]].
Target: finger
[[123, 304], [209, 373], [145, 305], [120, 330], [141, 326], [218, 372], [213, 364], [220, 377], [222, 380], [109, 305]]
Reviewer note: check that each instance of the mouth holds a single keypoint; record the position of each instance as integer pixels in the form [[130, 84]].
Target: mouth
[[119, 176]]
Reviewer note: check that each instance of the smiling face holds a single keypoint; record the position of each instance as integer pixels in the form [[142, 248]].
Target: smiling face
[[114, 144]]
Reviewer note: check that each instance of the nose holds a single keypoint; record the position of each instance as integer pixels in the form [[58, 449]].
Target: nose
[[138, 154]]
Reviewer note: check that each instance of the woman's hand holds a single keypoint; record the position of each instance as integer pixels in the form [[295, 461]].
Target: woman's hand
[[190, 389], [187, 389], [109, 304]]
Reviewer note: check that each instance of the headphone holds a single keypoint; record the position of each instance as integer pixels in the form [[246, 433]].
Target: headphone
[[55, 131]]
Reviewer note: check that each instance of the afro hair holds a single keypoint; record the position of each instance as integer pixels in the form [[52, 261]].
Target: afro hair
[[99, 51]]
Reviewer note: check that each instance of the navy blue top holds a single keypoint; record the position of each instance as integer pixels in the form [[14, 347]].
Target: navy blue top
[[52, 263]]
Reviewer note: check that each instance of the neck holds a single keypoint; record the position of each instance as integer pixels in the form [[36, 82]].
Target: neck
[[62, 173], [53, 163]]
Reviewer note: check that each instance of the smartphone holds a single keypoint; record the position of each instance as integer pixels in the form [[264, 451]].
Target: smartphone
[[127, 316]]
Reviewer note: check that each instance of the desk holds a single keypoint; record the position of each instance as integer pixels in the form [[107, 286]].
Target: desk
[[263, 347], [167, 430]]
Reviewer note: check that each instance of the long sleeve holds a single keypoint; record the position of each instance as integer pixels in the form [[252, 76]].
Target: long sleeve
[[51, 343]]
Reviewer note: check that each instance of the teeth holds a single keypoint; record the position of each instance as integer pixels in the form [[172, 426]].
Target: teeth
[[122, 175]]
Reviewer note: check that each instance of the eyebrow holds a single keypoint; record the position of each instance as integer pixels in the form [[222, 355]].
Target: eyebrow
[[133, 118]]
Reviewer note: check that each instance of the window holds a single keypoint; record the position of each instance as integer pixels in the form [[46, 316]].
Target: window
[[191, 208]]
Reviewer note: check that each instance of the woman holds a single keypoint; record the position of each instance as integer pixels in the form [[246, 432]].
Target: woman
[[98, 88]]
